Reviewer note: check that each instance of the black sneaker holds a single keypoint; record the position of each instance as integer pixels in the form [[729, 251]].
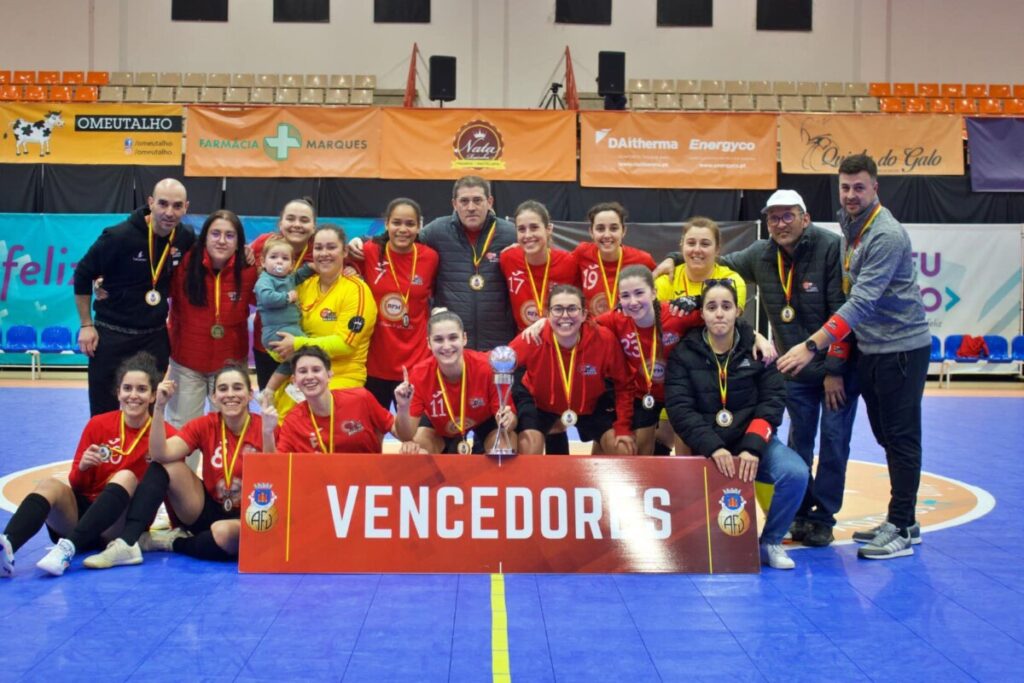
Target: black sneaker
[[869, 535], [797, 531], [818, 535]]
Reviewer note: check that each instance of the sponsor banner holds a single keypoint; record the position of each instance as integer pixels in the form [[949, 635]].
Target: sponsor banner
[[914, 144], [426, 513], [996, 148], [119, 134], [497, 144], [701, 151], [283, 142]]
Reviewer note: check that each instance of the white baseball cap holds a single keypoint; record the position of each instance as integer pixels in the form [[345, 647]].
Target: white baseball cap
[[785, 198]]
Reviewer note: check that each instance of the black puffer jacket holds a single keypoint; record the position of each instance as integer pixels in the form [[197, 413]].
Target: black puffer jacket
[[486, 314], [756, 396]]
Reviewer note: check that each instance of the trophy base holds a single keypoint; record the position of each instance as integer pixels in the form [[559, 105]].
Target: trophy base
[[501, 451]]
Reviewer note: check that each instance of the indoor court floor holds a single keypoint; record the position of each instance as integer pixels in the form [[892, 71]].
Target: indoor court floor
[[954, 611]]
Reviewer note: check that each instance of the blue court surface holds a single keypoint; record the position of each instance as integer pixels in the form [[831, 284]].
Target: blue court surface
[[954, 611]]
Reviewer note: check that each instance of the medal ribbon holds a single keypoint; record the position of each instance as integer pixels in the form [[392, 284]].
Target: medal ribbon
[[853, 247], [611, 292], [785, 280], [544, 285], [567, 378], [302, 254], [477, 258], [155, 271], [461, 424], [216, 299], [138, 437], [723, 374], [316, 428], [394, 273], [229, 468], [648, 373]]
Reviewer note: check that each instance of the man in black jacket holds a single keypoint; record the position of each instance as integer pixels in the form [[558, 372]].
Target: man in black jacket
[[799, 276], [134, 259]]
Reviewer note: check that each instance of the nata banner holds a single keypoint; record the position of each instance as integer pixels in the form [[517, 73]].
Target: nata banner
[[283, 142], [496, 144], [915, 144], [423, 513], [117, 134], [663, 150]]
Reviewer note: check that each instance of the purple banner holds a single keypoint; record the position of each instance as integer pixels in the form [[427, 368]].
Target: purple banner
[[996, 149]]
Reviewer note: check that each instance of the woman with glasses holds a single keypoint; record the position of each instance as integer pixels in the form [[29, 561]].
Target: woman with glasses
[[601, 261], [727, 406], [563, 381], [700, 245]]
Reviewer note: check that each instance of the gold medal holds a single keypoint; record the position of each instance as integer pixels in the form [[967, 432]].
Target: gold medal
[[647, 402], [463, 447], [153, 297], [217, 331], [788, 314], [476, 282], [723, 418], [569, 418], [228, 505]]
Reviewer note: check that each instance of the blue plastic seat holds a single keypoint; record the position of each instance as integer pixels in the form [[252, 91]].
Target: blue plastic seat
[[998, 349], [21, 338], [56, 339], [1017, 348], [936, 356]]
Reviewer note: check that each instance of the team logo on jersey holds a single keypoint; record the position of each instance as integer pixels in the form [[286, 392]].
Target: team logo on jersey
[[528, 312], [733, 518], [233, 296], [588, 370], [327, 315], [352, 427], [262, 511], [658, 374], [476, 402], [669, 338], [809, 287]]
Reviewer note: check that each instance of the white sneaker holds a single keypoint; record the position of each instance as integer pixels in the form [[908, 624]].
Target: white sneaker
[[774, 555], [117, 554], [161, 541], [6, 557], [58, 559], [162, 521]]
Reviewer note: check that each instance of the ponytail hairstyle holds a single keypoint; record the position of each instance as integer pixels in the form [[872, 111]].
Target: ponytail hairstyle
[[443, 315], [143, 361], [383, 237]]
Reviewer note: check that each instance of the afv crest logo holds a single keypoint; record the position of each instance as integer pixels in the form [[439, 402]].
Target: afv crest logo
[[37, 133], [262, 511], [733, 518]]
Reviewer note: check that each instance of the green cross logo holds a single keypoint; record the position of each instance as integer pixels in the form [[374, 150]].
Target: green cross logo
[[287, 138]]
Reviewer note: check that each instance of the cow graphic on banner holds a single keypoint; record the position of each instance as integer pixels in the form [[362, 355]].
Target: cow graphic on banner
[[38, 133]]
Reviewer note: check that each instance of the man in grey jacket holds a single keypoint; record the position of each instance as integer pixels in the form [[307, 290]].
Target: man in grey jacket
[[885, 313], [798, 273]]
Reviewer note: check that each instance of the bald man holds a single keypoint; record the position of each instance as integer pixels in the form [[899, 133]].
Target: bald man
[[134, 259]]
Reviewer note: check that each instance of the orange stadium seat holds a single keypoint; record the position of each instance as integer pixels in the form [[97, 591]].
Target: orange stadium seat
[[97, 77], [1018, 91], [917, 105], [879, 89], [992, 106], [60, 93], [965, 105], [903, 89], [48, 77], [928, 89], [23, 77], [976, 90], [1000, 90], [891, 105], [35, 93], [5, 77], [73, 77], [940, 105], [1015, 106], [952, 90], [10, 93], [86, 93]]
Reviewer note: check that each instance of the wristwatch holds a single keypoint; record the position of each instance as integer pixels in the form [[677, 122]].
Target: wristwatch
[[811, 345]]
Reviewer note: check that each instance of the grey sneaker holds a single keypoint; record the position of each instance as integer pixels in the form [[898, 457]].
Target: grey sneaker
[[117, 554], [869, 535], [58, 559], [889, 543], [161, 541], [6, 557], [774, 555]]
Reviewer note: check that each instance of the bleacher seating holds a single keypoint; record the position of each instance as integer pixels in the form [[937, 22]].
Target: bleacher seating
[[56, 339]]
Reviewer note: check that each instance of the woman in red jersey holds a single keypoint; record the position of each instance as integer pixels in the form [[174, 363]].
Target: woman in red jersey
[[601, 261], [330, 420], [206, 509], [109, 462], [564, 381], [400, 272], [209, 320], [449, 395], [532, 266]]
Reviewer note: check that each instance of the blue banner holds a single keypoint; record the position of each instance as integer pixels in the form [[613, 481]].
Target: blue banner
[[996, 149]]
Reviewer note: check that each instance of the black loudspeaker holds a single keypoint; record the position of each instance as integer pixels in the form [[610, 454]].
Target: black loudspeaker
[[611, 73], [442, 78]]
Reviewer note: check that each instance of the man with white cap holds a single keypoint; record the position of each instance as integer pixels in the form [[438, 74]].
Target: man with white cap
[[799, 275]]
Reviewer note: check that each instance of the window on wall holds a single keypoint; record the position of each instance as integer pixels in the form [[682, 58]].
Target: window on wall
[[401, 11], [583, 12], [784, 15], [684, 12], [302, 11], [199, 10]]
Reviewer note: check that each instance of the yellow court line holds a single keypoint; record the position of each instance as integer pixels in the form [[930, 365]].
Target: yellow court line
[[288, 522], [707, 520], [500, 668]]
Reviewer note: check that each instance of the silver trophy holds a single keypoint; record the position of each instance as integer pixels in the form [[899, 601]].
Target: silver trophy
[[503, 362]]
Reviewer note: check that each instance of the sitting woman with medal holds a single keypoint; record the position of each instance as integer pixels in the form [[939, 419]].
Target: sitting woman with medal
[[209, 319], [532, 266], [400, 272], [727, 405], [562, 382], [109, 462], [449, 395], [206, 509], [701, 245], [330, 420], [338, 316]]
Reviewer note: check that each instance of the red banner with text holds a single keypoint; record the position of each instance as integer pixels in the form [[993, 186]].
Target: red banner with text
[[309, 513], [676, 150]]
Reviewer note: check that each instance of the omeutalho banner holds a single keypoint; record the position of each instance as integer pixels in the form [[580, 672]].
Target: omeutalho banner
[[663, 150], [496, 144], [132, 134], [283, 142], [914, 144]]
